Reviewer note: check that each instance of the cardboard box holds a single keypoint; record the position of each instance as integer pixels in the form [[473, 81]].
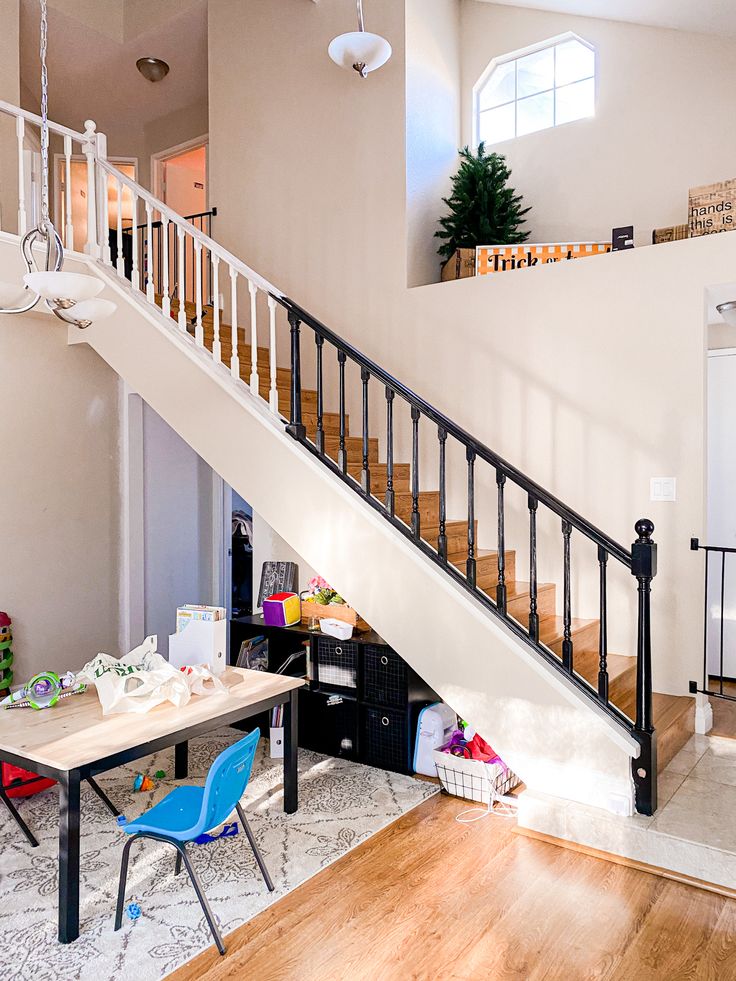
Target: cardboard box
[[674, 233], [459, 266], [712, 208]]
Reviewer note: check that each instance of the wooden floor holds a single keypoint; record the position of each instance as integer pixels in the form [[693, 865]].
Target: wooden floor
[[429, 898]]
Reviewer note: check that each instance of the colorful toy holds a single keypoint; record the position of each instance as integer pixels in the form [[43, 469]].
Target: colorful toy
[[143, 782], [160, 774], [44, 690], [121, 820], [282, 610], [134, 911], [6, 653]]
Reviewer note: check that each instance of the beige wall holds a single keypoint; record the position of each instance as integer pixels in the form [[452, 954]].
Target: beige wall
[[60, 501], [664, 103], [590, 377], [9, 92], [432, 126]]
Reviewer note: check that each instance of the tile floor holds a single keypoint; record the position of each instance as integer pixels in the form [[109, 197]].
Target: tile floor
[[698, 794]]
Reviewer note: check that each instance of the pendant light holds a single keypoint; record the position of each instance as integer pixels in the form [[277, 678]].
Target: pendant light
[[360, 50], [70, 296]]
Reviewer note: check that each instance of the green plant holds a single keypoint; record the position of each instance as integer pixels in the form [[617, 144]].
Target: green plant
[[483, 209]]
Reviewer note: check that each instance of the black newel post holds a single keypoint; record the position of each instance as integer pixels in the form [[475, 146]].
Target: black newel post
[[644, 568], [296, 427]]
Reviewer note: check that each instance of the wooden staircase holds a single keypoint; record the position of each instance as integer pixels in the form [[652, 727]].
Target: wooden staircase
[[674, 716]]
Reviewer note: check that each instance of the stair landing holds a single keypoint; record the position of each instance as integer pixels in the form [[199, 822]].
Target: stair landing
[[691, 836]]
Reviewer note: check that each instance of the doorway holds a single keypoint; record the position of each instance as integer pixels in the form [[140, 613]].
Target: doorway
[[180, 177], [78, 182], [721, 582]]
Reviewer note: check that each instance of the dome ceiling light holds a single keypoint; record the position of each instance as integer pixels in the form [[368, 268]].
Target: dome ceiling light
[[70, 296], [360, 50], [152, 68]]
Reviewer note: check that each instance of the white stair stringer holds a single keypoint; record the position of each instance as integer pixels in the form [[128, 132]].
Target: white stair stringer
[[556, 739]]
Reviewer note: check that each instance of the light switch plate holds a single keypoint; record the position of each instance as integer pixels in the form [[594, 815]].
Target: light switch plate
[[663, 489]]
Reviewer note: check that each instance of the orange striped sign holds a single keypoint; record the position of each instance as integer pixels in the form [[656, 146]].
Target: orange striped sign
[[501, 258]]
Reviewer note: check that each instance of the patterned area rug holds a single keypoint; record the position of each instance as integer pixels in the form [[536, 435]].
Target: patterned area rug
[[341, 804]]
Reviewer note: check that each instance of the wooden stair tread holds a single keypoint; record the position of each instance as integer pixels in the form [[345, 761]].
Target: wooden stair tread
[[552, 628]]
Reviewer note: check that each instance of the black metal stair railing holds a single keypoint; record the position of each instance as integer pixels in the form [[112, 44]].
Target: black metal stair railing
[[152, 252], [641, 560]]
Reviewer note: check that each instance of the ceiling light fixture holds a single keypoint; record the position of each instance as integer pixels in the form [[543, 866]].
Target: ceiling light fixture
[[67, 295], [360, 50], [152, 68], [728, 312]]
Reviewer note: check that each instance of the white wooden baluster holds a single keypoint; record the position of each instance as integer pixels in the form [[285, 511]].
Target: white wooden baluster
[[20, 128], [134, 274], [91, 248], [103, 210], [120, 261], [198, 329], [273, 395], [253, 290], [234, 360], [182, 316], [150, 292], [165, 299], [69, 225], [216, 346]]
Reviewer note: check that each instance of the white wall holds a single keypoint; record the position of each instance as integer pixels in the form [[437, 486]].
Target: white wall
[[589, 376], [432, 126], [59, 500], [269, 546], [9, 92], [178, 527], [664, 103]]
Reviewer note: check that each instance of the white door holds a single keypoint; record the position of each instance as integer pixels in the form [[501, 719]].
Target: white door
[[722, 510]]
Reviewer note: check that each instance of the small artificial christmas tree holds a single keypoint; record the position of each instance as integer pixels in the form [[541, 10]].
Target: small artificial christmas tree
[[483, 210]]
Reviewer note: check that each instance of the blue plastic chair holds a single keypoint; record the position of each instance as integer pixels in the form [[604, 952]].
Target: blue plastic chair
[[187, 812]]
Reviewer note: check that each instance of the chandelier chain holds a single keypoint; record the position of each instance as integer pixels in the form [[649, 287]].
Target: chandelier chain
[[45, 218]]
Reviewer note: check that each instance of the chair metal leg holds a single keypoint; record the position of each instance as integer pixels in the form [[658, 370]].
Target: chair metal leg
[[103, 797], [177, 867], [202, 899], [254, 846], [123, 880], [18, 819]]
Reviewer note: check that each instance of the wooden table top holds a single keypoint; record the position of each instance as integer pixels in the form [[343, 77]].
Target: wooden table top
[[75, 732]]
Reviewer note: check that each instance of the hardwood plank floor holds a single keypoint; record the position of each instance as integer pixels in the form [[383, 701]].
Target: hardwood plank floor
[[429, 898]]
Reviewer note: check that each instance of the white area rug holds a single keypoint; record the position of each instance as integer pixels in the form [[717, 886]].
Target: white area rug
[[340, 805]]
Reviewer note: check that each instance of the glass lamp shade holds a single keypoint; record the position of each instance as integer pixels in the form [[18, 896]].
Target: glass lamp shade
[[728, 312], [88, 311], [12, 295], [63, 285], [360, 48]]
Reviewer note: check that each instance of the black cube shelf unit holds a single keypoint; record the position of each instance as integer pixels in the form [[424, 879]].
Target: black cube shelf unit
[[362, 701]]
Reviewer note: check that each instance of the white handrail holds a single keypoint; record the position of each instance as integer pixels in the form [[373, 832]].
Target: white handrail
[[189, 229], [31, 117]]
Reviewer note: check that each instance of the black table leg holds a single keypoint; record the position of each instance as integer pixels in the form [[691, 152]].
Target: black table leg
[[291, 740], [68, 856], [181, 761]]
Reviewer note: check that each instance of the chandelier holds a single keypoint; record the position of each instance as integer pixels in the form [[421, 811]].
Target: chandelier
[[360, 50], [72, 297]]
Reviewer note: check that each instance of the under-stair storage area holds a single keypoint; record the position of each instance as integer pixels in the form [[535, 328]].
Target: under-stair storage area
[[361, 701]]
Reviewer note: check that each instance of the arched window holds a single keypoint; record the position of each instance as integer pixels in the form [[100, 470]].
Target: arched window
[[542, 86]]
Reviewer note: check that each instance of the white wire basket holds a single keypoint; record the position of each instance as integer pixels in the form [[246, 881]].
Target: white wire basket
[[473, 779]]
